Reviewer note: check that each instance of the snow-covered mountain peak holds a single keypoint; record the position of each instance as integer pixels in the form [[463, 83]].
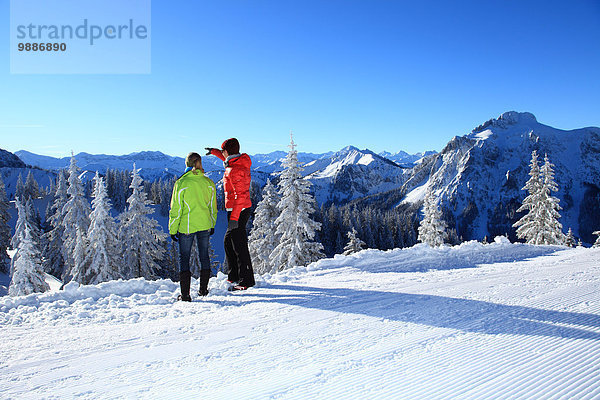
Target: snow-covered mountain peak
[[504, 121], [348, 149], [479, 176], [349, 155]]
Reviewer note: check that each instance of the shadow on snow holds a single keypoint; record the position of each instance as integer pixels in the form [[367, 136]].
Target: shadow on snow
[[438, 311]]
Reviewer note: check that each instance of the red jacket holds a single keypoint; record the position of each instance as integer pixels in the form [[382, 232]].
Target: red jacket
[[236, 183]]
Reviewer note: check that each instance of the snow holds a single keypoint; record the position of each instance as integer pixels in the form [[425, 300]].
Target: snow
[[483, 135], [416, 195], [472, 321], [366, 160]]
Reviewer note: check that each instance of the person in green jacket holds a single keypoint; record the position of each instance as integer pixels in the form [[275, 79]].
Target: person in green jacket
[[193, 214]]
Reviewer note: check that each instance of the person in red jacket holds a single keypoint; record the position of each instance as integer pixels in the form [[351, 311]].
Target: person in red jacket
[[236, 184]]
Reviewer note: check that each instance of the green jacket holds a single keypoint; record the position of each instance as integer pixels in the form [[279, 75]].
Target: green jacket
[[193, 204]]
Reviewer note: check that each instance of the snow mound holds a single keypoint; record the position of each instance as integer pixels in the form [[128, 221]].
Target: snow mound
[[85, 300], [121, 300], [422, 257]]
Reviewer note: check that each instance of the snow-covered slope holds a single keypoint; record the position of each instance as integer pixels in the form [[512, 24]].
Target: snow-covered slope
[[480, 175], [10, 177], [469, 322]]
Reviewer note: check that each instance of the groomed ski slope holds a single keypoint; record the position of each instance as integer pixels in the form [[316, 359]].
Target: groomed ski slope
[[501, 321]]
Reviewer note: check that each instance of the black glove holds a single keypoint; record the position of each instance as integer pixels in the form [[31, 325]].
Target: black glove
[[212, 231], [174, 238], [209, 149], [231, 225]]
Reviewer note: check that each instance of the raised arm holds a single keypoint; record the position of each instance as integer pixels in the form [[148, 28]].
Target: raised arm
[[214, 152]]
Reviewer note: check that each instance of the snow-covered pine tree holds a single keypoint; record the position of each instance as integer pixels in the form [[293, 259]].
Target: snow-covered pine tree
[[294, 226], [552, 233], [53, 252], [32, 189], [597, 242], [263, 239], [24, 222], [355, 244], [20, 188], [4, 229], [540, 225], [76, 215], [172, 261], [34, 217], [103, 251], [139, 234], [51, 189], [570, 240], [80, 269], [432, 229], [529, 224], [27, 273], [46, 227]]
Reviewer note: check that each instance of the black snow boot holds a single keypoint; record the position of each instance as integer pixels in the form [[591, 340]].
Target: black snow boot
[[185, 278], [204, 278]]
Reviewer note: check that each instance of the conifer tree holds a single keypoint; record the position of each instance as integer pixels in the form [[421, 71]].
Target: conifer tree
[[32, 189], [432, 229], [4, 229], [76, 215], [294, 226], [530, 224], [263, 239], [597, 242], [20, 188], [552, 233], [80, 270], [103, 251], [34, 217], [53, 253], [24, 222], [570, 240], [172, 261], [52, 187], [139, 234], [540, 225], [355, 244], [28, 275]]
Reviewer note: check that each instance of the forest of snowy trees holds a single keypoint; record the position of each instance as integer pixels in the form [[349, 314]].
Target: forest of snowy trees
[[82, 242], [102, 228]]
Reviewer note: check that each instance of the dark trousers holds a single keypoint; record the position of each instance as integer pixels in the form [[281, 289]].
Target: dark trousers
[[185, 249], [237, 253]]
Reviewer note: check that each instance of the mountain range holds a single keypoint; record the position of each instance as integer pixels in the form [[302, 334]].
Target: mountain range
[[477, 176], [338, 176]]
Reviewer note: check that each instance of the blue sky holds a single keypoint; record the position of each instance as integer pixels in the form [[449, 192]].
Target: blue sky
[[378, 74]]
